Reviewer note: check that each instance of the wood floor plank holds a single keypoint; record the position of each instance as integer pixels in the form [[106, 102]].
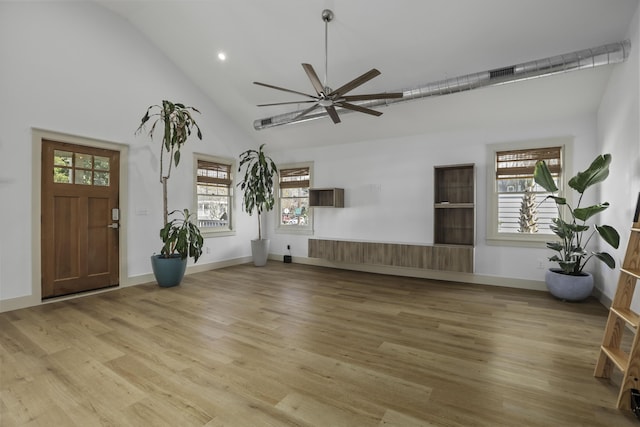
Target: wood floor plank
[[393, 418], [96, 380], [313, 411], [297, 345]]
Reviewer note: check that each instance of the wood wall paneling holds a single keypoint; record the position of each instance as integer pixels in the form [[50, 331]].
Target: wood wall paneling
[[448, 258]]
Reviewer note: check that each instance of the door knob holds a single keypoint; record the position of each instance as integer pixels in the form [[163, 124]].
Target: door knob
[[114, 225]]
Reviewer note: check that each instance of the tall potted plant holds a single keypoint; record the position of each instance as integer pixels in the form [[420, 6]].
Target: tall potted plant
[[181, 238], [570, 281], [257, 184]]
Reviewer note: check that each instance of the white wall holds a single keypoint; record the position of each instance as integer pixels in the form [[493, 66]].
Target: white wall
[[389, 188], [619, 134], [79, 69]]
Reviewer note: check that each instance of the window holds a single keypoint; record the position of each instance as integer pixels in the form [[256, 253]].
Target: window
[[80, 168], [214, 191], [293, 200], [518, 210]]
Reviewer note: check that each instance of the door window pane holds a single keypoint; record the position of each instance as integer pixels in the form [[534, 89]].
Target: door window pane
[[81, 168], [101, 179], [63, 175], [83, 177], [101, 163], [84, 161], [62, 158]]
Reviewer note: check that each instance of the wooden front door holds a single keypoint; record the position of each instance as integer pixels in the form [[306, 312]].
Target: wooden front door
[[80, 215]]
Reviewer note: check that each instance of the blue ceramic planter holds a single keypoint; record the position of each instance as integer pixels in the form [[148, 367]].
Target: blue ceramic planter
[[168, 271]]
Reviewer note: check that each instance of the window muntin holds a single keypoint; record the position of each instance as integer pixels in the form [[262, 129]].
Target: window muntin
[[294, 212], [80, 169], [514, 177], [214, 194], [509, 190], [294, 203]]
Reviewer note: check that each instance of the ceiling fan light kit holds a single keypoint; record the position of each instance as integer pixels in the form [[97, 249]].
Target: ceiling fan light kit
[[328, 98]]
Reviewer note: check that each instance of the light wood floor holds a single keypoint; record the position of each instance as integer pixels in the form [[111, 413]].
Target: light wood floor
[[289, 344]]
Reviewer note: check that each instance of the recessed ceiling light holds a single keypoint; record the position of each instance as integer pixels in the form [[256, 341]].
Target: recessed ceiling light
[[222, 56]]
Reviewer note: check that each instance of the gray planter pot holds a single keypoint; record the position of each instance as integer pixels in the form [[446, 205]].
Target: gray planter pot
[[260, 252], [168, 271], [567, 287]]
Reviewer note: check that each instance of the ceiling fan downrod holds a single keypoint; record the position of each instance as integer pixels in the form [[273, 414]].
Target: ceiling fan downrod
[[327, 16]]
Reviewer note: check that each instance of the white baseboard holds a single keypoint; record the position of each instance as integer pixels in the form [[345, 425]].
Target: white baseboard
[[604, 300], [32, 300], [420, 273], [480, 279], [18, 303], [191, 269]]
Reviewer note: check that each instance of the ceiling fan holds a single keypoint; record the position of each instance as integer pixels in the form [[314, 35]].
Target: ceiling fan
[[330, 98]]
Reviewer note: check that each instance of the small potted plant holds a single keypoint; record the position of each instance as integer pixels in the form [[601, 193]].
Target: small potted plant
[[181, 238], [570, 281], [258, 184]]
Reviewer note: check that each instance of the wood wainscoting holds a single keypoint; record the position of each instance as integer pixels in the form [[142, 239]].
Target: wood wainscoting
[[440, 257]]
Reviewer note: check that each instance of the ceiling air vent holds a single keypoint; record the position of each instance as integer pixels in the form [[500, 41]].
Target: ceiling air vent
[[502, 72]]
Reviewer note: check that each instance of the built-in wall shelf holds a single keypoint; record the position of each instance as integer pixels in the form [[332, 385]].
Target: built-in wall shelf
[[454, 205], [326, 197]]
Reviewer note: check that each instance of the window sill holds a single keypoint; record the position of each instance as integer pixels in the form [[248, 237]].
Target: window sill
[[220, 233], [292, 230], [508, 239]]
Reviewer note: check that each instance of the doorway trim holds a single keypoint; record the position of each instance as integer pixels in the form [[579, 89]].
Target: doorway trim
[[36, 205]]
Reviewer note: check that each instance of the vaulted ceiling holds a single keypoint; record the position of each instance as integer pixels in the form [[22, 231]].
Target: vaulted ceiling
[[412, 42]]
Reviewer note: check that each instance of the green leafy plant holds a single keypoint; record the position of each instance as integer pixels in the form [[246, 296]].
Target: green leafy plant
[[258, 182], [182, 236], [178, 235], [571, 224], [177, 123]]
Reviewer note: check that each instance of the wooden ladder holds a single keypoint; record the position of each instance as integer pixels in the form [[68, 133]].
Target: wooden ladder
[[620, 314]]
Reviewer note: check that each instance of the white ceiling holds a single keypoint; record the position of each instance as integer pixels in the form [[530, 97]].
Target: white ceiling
[[412, 42]]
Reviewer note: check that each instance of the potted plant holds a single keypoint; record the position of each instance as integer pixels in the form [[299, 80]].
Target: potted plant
[[570, 281], [257, 184], [181, 238]]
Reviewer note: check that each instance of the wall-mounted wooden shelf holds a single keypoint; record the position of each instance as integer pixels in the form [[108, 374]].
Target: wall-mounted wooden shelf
[[326, 197]]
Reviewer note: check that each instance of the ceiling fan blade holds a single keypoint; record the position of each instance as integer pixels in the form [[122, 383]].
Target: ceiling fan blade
[[333, 114], [370, 96], [315, 81], [285, 103], [358, 108], [286, 90], [356, 82], [307, 111]]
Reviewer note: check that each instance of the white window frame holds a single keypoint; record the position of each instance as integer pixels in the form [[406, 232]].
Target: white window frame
[[215, 231], [522, 239], [306, 229]]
